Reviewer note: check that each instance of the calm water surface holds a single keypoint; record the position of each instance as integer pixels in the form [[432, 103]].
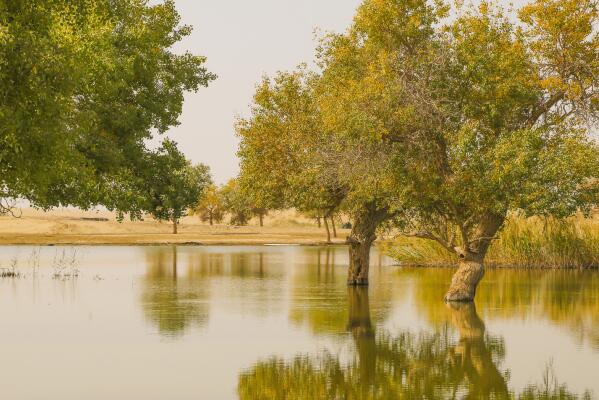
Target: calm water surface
[[278, 322]]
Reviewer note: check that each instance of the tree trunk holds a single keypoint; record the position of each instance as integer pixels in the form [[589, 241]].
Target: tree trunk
[[466, 278], [261, 216], [326, 226], [471, 257], [175, 224], [318, 221], [333, 225], [211, 219], [362, 236]]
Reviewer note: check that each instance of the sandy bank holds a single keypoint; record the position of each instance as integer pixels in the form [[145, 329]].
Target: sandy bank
[[68, 226]]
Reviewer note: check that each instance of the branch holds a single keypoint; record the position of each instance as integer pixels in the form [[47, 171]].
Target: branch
[[8, 206], [430, 236], [543, 108], [480, 239]]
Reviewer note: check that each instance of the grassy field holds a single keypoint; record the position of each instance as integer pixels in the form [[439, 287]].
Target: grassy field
[[523, 242], [68, 226]]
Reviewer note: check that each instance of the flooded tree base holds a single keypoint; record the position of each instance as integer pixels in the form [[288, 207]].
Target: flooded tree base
[[464, 282]]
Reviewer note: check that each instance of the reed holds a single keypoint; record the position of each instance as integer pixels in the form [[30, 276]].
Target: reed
[[523, 243], [11, 271]]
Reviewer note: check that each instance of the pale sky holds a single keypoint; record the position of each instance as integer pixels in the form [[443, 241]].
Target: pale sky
[[243, 40]]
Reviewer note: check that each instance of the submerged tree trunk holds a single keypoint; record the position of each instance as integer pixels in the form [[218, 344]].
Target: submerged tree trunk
[[465, 280], [333, 225], [326, 226], [360, 240], [471, 257]]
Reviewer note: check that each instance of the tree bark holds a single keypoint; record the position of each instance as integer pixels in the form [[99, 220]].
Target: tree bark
[[471, 258], [211, 219], [333, 225], [318, 221], [465, 280], [362, 236], [326, 226], [175, 224], [261, 217]]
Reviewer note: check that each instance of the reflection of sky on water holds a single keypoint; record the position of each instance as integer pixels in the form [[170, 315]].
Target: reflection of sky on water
[[187, 321]]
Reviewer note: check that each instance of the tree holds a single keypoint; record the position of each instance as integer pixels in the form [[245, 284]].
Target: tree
[[172, 184], [211, 206], [83, 85], [286, 146], [505, 114], [236, 203], [278, 145], [440, 125]]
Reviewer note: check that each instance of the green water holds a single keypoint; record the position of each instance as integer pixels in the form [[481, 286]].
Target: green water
[[279, 323]]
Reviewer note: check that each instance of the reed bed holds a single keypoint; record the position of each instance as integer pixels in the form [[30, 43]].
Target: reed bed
[[523, 243]]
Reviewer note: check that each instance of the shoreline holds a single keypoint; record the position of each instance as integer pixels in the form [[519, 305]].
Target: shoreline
[[164, 240], [76, 227]]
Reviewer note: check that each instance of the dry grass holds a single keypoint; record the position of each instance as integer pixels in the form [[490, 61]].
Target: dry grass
[[70, 226], [523, 242]]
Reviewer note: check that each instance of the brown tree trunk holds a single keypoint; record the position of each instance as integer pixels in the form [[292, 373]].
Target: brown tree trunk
[[471, 257], [465, 280], [362, 236], [261, 217], [326, 226], [211, 219], [175, 224], [333, 225], [318, 222]]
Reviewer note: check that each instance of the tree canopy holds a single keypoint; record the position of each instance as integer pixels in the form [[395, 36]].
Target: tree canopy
[[441, 125], [83, 85], [171, 185], [210, 207]]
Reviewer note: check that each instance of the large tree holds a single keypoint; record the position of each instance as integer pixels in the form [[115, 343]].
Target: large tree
[[289, 149], [281, 146], [82, 86], [506, 110]]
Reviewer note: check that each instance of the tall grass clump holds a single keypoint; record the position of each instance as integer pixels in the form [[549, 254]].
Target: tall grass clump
[[65, 265], [11, 271], [523, 242]]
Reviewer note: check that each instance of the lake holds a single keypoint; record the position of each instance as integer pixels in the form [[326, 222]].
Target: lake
[[278, 322]]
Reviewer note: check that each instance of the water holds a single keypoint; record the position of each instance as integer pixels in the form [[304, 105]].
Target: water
[[279, 322]]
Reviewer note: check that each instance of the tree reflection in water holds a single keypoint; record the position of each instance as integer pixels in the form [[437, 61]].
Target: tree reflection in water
[[171, 303], [408, 365], [176, 292]]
